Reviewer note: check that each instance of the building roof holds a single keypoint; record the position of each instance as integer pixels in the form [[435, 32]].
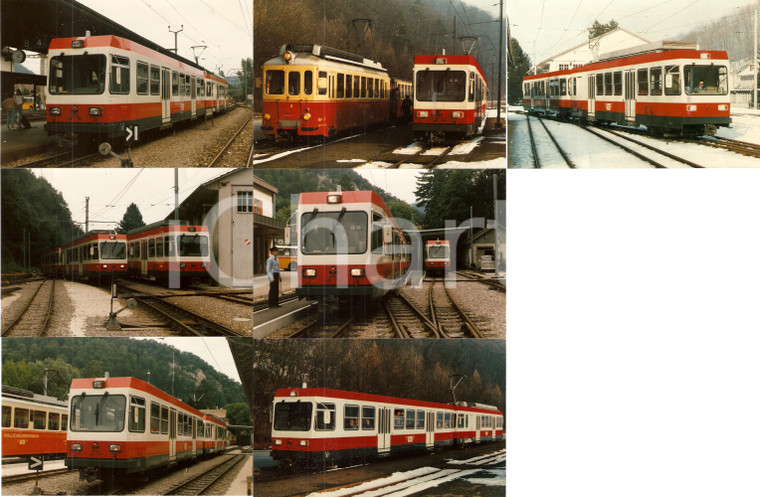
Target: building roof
[[264, 185], [589, 42]]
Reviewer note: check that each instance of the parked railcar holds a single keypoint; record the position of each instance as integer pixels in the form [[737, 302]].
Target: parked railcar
[[350, 246], [325, 426], [437, 256], [99, 256], [669, 87], [312, 90], [100, 85], [124, 425], [171, 253], [33, 424], [450, 94]]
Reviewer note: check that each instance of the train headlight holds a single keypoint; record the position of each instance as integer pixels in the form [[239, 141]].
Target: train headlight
[[203, 266], [75, 447], [334, 199], [357, 272], [96, 111], [457, 114], [309, 273], [114, 447], [723, 107], [306, 116], [105, 266], [77, 44], [288, 56], [267, 116], [55, 111], [278, 442], [182, 265], [422, 113], [304, 443], [691, 108], [122, 266]]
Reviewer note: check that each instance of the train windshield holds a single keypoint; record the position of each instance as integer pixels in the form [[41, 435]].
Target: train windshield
[[77, 74], [706, 79], [98, 412], [438, 251], [275, 82], [334, 232], [441, 86], [292, 416], [113, 250], [193, 245]]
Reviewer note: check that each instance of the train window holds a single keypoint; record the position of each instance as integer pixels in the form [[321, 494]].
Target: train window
[[164, 420], [563, 86], [144, 250], [410, 418], [339, 87], [142, 78], [137, 414], [439, 421], [349, 86], [398, 419], [655, 80], [112, 250], [151, 248], [608, 83], [294, 83], [155, 80], [325, 416], [188, 85], [471, 88], [39, 419], [351, 417], [322, 82], [6, 416], [169, 246], [334, 233], [102, 412], [714, 79], [377, 231], [308, 82], [193, 245], [441, 85], [64, 422], [357, 86], [155, 418], [618, 82], [447, 420], [93, 251], [159, 247], [54, 421], [420, 420], [77, 74], [201, 87], [460, 420], [672, 80], [600, 84], [363, 87], [119, 75], [275, 82], [368, 418], [175, 83], [642, 79], [377, 88], [20, 418]]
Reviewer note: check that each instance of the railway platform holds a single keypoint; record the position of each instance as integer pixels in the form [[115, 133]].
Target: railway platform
[[242, 485], [269, 320], [19, 143]]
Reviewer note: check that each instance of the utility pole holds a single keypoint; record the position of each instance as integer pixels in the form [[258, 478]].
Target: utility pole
[[472, 248], [181, 28], [454, 41], [176, 194], [497, 253], [501, 44], [754, 64], [86, 215]]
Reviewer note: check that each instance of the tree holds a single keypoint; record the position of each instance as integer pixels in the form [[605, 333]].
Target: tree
[[246, 77], [516, 73], [598, 29], [132, 219]]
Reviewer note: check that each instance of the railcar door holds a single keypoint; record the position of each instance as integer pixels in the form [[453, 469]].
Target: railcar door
[[193, 95], [591, 97], [144, 258], [384, 430], [630, 95], [172, 435], [429, 430], [477, 427], [166, 95]]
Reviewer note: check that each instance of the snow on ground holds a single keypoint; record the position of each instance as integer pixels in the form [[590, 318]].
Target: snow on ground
[[497, 163], [410, 149], [498, 478], [745, 126], [466, 147]]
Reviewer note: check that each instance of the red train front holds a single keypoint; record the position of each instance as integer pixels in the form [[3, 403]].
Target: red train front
[[437, 256], [99, 256], [450, 95], [349, 246]]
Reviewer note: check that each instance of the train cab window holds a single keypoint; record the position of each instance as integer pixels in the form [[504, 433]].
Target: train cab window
[[175, 83], [164, 420], [563, 87], [155, 418], [672, 80], [77, 74], [439, 421], [155, 80], [398, 419], [112, 250], [101, 412], [322, 82], [441, 85], [308, 82], [119, 75], [643, 82], [294, 83], [143, 77], [151, 248], [339, 92], [39, 419], [325, 416], [349, 86], [655, 80], [54, 421], [350, 417], [137, 414], [64, 422], [193, 245], [420, 420], [334, 233], [6, 416], [608, 83], [20, 418], [714, 80], [368, 418], [618, 82], [600, 84]]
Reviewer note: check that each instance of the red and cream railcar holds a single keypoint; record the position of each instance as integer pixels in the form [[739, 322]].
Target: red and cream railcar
[[324, 426], [666, 86], [349, 246], [216, 435], [100, 85], [311, 90], [33, 424], [171, 253], [99, 256], [450, 95], [437, 256], [125, 425]]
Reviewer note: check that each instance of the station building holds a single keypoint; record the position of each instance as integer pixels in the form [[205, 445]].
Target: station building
[[267, 229]]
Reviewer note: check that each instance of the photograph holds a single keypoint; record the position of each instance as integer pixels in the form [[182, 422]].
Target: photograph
[[87, 83], [127, 416], [379, 84], [379, 417], [649, 84], [380, 254], [125, 252]]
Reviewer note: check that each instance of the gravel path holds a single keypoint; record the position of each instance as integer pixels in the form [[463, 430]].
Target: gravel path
[[235, 316], [486, 307]]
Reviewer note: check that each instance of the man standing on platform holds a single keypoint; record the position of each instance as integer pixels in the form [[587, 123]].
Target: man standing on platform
[[273, 273]]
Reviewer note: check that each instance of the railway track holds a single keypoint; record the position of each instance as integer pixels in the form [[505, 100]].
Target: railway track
[[199, 484], [486, 281], [262, 305], [324, 327], [232, 140], [740, 147], [407, 319], [448, 316], [35, 317], [64, 159], [536, 163], [641, 156], [32, 476], [184, 320]]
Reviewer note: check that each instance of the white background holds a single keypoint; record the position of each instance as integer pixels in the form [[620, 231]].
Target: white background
[[633, 333]]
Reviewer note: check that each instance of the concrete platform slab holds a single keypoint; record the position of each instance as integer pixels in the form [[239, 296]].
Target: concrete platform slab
[[271, 320], [19, 143]]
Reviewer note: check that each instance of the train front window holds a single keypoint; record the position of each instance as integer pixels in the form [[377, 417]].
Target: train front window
[[104, 412], [294, 83], [77, 74], [113, 250], [705, 80], [193, 246], [343, 232], [441, 86], [438, 251], [292, 416]]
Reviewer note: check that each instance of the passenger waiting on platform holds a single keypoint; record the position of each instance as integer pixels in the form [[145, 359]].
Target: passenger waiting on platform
[[273, 274], [9, 105], [19, 101], [406, 108]]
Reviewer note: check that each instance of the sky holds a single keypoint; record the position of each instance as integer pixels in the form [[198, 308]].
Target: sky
[[214, 350], [110, 191], [225, 26], [557, 25], [399, 182]]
